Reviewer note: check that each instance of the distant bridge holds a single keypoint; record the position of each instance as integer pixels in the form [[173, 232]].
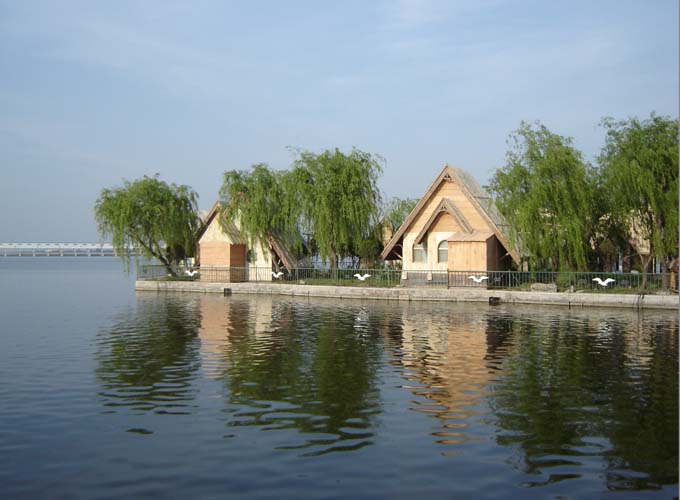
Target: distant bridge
[[57, 250]]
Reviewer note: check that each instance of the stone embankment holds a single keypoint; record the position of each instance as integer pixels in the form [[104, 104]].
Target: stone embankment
[[422, 294]]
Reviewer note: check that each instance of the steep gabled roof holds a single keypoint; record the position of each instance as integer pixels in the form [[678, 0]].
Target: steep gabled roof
[[281, 249], [227, 226], [480, 200], [447, 207]]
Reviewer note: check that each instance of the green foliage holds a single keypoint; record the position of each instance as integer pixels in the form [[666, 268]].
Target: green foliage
[[396, 211], [261, 200], [338, 198], [159, 219], [368, 249], [639, 165], [547, 193]]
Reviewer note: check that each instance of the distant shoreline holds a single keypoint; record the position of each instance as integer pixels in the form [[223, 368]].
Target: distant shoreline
[[571, 300]]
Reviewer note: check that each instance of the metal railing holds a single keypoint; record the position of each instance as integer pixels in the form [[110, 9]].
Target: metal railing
[[512, 280], [574, 281]]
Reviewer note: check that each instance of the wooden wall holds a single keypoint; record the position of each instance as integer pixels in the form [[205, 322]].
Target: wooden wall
[[221, 254], [497, 258], [452, 191], [492, 254], [445, 223], [467, 255], [237, 256], [215, 254]]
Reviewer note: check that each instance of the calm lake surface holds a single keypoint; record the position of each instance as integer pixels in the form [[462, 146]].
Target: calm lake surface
[[108, 393]]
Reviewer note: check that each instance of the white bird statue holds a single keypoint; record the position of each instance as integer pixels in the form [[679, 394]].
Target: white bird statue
[[277, 275], [605, 282], [480, 279], [362, 277], [190, 273]]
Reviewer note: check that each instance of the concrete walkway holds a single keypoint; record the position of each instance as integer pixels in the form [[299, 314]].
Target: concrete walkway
[[409, 294]]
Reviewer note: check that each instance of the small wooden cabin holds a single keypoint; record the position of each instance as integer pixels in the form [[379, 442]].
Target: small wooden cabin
[[454, 227], [224, 254]]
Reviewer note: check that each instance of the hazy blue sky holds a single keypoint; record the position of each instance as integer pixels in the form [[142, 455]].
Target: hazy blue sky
[[94, 92]]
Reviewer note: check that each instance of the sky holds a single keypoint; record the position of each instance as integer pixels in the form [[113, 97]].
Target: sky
[[92, 93]]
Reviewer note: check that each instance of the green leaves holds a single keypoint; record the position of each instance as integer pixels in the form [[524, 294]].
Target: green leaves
[[159, 219], [339, 198], [396, 212], [546, 192], [639, 163], [332, 197], [258, 199], [566, 212]]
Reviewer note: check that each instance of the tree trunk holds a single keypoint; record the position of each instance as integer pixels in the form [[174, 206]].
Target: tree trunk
[[168, 265], [673, 274], [646, 260], [334, 259], [665, 281], [159, 255], [170, 270]]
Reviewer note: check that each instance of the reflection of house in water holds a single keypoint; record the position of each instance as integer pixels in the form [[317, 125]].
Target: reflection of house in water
[[451, 361], [225, 321]]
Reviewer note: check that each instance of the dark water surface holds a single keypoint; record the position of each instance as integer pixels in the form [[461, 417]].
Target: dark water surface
[[105, 393]]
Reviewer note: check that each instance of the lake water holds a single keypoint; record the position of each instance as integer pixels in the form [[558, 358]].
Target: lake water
[[108, 393]]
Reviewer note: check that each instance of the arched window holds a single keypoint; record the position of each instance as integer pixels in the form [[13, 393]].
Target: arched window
[[420, 252], [443, 251]]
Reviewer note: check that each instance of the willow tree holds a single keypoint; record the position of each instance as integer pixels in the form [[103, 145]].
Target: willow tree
[[546, 191], [396, 211], [639, 166], [262, 202], [338, 198], [159, 219]]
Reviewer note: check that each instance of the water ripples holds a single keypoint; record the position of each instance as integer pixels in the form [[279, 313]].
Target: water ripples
[[448, 398]]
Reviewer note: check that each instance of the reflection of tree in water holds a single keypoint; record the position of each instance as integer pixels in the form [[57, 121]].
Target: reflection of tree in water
[[146, 360], [645, 435], [575, 388], [565, 389], [313, 371]]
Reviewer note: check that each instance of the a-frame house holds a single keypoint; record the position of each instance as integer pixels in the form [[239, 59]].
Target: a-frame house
[[221, 244], [454, 227]]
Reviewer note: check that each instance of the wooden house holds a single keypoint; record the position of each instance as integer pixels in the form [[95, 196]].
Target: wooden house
[[225, 254], [454, 227]]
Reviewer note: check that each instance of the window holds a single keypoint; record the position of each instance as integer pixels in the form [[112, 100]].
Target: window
[[420, 252], [443, 251], [252, 255]]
